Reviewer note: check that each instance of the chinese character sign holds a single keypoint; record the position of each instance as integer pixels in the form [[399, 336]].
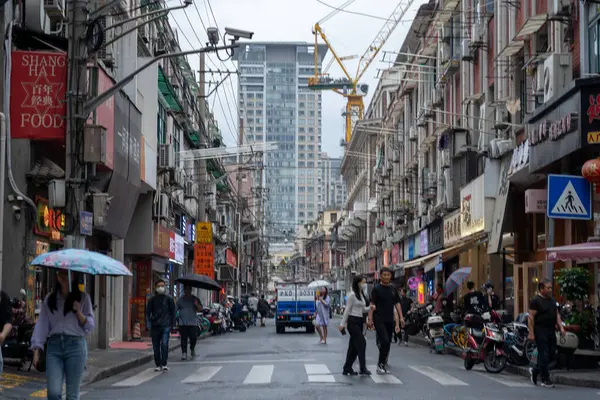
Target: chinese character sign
[[204, 259], [421, 292], [204, 232], [38, 95]]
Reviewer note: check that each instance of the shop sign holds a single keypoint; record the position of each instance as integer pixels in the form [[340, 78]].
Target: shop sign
[[179, 245], [396, 254], [553, 130], [191, 232], [423, 240], [536, 201], [386, 258], [411, 248], [452, 228], [520, 158], [472, 206], [499, 207], [593, 118], [162, 241], [204, 259], [204, 233], [86, 223], [183, 226], [231, 258], [421, 292], [49, 222], [38, 95], [435, 240]]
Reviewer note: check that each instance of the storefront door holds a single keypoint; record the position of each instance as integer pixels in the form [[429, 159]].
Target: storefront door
[[526, 277]]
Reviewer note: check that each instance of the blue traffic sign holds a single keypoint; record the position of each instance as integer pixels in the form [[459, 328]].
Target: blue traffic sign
[[569, 197]]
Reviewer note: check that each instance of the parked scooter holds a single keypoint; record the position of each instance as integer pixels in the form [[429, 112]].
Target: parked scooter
[[515, 341], [15, 349], [485, 342], [434, 328]]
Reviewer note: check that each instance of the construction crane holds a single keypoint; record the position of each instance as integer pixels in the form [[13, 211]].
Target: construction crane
[[349, 87]]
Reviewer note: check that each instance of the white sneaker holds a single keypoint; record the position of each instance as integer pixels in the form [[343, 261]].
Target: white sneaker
[[158, 369], [165, 368]]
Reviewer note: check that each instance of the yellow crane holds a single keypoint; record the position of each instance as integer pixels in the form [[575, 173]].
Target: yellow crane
[[349, 86]]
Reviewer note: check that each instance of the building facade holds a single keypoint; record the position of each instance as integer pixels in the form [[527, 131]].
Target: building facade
[[277, 106], [331, 183]]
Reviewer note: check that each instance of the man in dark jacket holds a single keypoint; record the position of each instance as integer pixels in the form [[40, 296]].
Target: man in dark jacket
[[5, 321], [160, 319], [263, 309]]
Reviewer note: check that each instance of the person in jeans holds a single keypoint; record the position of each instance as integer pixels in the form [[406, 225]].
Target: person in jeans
[[353, 320], [66, 318], [542, 322], [160, 318], [5, 322], [187, 307], [385, 299]]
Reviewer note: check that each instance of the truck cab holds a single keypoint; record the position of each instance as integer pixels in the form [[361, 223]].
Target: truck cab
[[295, 307]]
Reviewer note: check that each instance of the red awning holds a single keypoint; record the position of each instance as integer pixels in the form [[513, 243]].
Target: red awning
[[581, 253]]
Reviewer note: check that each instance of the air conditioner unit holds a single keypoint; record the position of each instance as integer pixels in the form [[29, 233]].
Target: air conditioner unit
[[55, 9], [166, 156], [437, 97], [412, 133], [466, 50], [428, 109], [161, 207], [537, 83], [476, 33], [558, 73]]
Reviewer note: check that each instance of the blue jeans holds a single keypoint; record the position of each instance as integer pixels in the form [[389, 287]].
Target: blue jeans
[[160, 345], [65, 361]]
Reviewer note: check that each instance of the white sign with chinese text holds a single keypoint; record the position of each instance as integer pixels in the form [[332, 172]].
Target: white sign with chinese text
[[472, 206]]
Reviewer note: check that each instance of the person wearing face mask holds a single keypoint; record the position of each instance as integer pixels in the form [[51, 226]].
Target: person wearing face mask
[[353, 319], [493, 301], [160, 319]]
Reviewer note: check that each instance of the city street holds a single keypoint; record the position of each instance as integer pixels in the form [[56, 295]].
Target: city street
[[259, 364]]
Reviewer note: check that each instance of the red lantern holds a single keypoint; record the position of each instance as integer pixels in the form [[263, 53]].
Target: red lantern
[[591, 172]]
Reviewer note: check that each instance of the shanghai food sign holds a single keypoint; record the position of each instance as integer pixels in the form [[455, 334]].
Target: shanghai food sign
[[38, 95]]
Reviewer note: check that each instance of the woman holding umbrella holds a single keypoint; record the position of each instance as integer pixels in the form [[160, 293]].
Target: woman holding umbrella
[[66, 318]]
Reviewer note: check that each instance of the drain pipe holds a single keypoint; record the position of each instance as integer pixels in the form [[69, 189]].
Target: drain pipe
[[2, 183]]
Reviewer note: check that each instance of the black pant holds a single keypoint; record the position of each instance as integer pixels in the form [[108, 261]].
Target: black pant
[[357, 344], [160, 345], [384, 330], [188, 332], [545, 339]]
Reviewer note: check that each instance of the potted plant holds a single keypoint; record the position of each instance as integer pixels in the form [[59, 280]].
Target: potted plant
[[574, 284]]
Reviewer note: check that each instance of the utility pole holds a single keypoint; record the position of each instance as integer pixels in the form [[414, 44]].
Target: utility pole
[[238, 177], [76, 118], [202, 163]]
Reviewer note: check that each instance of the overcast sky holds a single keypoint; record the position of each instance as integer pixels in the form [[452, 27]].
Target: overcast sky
[[291, 20]]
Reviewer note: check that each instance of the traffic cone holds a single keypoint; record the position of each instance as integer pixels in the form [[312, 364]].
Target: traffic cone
[[137, 332]]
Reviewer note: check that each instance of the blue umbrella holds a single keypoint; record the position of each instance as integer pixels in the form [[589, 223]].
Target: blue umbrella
[[83, 261], [457, 278]]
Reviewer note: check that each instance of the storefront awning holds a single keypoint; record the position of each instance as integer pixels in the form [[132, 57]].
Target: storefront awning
[[581, 253]]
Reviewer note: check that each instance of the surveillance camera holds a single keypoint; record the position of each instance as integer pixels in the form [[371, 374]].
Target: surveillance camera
[[188, 2], [17, 211], [213, 36], [239, 34]]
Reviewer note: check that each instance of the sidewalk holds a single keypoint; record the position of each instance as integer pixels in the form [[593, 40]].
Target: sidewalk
[[123, 356], [579, 378]]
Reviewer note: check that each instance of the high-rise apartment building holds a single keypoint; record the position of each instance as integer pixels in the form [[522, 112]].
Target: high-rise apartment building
[[276, 105], [331, 185]]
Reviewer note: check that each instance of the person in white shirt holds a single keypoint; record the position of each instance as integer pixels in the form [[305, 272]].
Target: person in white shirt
[[353, 320], [253, 306]]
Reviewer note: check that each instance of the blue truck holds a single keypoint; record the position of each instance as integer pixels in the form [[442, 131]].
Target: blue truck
[[295, 307]]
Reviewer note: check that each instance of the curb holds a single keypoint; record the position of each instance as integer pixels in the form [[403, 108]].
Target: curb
[[524, 371], [107, 372]]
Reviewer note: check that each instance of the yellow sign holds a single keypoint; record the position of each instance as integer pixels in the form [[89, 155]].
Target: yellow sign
[[204, 232], [421, 293], [593, 137]]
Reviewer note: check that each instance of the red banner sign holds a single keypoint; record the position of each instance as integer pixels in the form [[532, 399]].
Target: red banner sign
[[38, 88], [204, 259], [231, 258]]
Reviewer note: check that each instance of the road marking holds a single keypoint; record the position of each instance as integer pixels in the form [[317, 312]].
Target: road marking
[[259, 374], [316, 369], [297, 360], [138, 379], [389, 379], [203, 374], [506, 381], [439, 376], [321, 378]]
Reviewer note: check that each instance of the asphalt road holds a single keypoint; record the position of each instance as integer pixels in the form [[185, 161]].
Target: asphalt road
[[260, 364]]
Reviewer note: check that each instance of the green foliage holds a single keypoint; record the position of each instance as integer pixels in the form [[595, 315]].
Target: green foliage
[[574, 283]]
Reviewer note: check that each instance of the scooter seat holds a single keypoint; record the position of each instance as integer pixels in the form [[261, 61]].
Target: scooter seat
[[572, 328]]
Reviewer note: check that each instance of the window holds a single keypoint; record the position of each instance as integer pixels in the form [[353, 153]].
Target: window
[[594, 48], [161, 124], [332, 218], [176, 138]]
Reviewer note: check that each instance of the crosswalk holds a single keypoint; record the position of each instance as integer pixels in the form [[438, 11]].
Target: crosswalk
[[310, 373]]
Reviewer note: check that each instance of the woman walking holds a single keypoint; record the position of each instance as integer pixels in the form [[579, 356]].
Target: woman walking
[[323, 303], [353, 320], [66, 317]]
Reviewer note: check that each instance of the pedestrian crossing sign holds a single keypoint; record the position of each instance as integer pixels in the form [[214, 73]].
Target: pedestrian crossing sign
[[569, 197]]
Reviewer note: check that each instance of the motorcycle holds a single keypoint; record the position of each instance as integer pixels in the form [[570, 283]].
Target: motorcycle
[[485, 342], [435, 332], [15, 348], [515, 343]]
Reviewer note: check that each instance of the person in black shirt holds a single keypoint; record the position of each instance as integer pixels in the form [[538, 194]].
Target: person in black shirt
[[474, 301], [5, 321], [406, 304], [543, 319], [492, 300], [385, 298]]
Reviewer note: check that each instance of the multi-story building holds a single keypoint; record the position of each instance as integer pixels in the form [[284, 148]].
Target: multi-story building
[[331, 183], [449, 167], [277, 106]]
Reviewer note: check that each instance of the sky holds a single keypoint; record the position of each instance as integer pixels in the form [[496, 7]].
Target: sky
[[291, 20]]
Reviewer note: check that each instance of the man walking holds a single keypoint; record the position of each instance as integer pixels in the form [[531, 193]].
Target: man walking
[[188, 306], [385, 298], [543, 319], [160, 318], [406, 304], [5, 322], [253, 307], [263, 309]]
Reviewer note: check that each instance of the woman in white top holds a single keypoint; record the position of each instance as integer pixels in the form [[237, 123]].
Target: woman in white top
[[353, 320]]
